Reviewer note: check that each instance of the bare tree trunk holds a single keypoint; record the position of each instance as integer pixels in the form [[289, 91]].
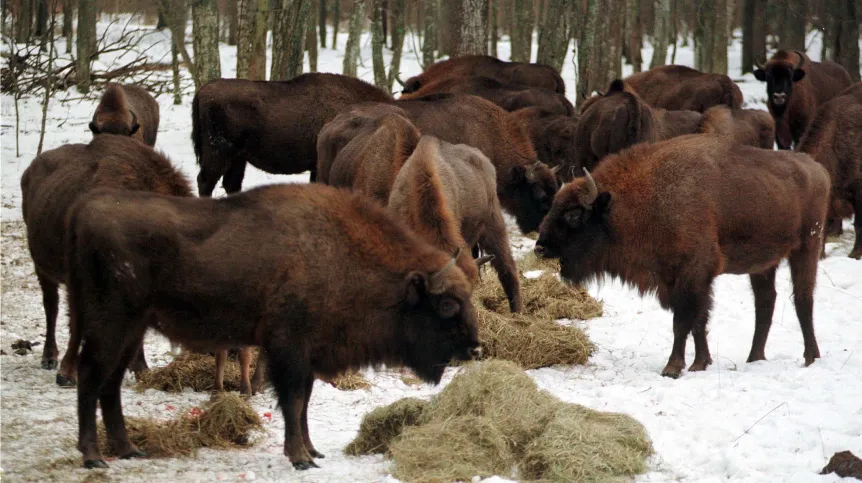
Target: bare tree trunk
[[175, 71], [245, 14], [86, 30], [398, 15], [321, 22], [177, 13], [311, 43], [793, 28], [233, 22], [674, 21], [377, 41], [336, 19], [384, 18], [450, 26], [522, 36], [554, 35], [748, 21], [634, 35], [719, 40], [472, 38], [288, 39], [41, 18], [205, 41], [662, 33], [351, 50], [617, 14], [585, 51], [842, 41], [429, 43], [68, 19], [47, 36], [24, 22], [260, 24], [495, 29]]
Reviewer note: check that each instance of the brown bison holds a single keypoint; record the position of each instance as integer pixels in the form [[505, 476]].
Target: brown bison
[[834, 139], [51, 185], [620, 118], [510, 97], [680, 88], [127, 110], [670, 217], [518, 73], [795, 87], [272, 125], [552, 135], [326, 282], [525, 186]]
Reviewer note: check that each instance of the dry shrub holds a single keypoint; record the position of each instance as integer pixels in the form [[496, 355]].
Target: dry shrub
[[492, 420], [380, 426], [193, 370], [350, 381], [226, 421]]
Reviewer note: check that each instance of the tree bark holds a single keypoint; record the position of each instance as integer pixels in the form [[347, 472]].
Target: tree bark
[[86, 31], [321, 22], [748, 20], [68, 19], [311, 42], [585, 51], [450, 27], [288, 39], [398, 16], [843, 44], [634, 35], [429, 43], [351, 50], [472, 38], [245, 14], [336, 19], [662, 33], [205, 42], [233, 22], [554, 35], [495, 29], [24, 22], [522, 36], [719, 41], [175, 71], [377, 41], [177, 16], [41, 18]]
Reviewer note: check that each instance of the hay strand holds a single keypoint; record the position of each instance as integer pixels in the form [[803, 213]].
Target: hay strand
[[350, 381], [192, 370], [380, 426]]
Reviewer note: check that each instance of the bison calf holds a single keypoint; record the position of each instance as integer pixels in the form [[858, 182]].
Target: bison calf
[[51, 185], [681, 88], [127, 110], [670, 217], [322, 279]]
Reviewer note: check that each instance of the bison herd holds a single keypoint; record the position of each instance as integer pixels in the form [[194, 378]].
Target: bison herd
[[663, 181]]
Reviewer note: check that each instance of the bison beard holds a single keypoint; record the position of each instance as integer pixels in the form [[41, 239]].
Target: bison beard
[[328, 283], [666, 218]]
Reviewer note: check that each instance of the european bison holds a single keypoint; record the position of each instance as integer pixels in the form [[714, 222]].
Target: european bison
[[510, 97], [51, 185], [670, 217], [751, 127], [446, 193], [681, 88], [519, 73], [834, 139], [525, 185], [272, 125], [795, 87], [552, 135], [127, 110], [327, 282]]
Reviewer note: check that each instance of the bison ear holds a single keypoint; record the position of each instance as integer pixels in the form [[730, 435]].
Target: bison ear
[[134, 129], [760, 75], [602, 205], [417, 288], [519, 174], [798, 75], [94, 128]]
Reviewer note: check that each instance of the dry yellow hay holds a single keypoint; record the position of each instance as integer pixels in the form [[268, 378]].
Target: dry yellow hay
[[193, 370], [350, 381], [384, 423], [226, 421]]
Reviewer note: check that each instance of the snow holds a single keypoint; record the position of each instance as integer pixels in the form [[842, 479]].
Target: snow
[[767, 421]]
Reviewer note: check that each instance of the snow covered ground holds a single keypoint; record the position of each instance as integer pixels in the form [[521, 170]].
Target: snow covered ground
[[768, 421]]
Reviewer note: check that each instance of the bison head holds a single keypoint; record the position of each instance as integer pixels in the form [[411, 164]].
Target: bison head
[[779, 76], [412, 85], [532, 189], [575, 228], [440, 322], [115, 126], [555, 145]]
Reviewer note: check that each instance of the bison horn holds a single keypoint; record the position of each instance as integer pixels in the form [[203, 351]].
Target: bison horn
[[436, 278], [398, 79], [759, 65], [801, 59], [592, 189], [483, 260], [556, 169]]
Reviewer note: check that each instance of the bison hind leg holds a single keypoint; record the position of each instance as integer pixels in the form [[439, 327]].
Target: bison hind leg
[[292, 379], [763, 286], [51, 301], [803, 273]]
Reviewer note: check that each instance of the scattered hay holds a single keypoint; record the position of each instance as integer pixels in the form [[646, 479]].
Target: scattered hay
[[380, 426], [193, 370], [492, 420], [350, 381], [226, 421], [411, 380]]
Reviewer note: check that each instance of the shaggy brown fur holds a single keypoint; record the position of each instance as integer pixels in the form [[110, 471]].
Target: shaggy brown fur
[[751, 127], [127, 110], [834, 140], [795, 87], [680, 88], [509, 97], [670, 217], [844, 464], [326, 282], [446, 193], [552, 135], [51, 185], [518, 73], [272, 125], [525, 186]]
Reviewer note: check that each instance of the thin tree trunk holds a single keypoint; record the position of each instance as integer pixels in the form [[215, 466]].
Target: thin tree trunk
[[748, 20], [398, 17], [260, 23], [472, 38], [86, 30], [674, 21], [288, 39], [175, 70], [847, 46], [384, 19], [553, 35], [351, 50], [429, 43], [41, 18], [617, 10], [522, 37], [336, 19], [177, 12], [205, 41], [68, 19], [245, 14], [585, 50], [47, 36], [634, 35], [321, 22], [311, 43], [495, 28], [719, 41], [233, 22], [793, 28], [450, 26], [24, 22], [377, 41], [662, 33]]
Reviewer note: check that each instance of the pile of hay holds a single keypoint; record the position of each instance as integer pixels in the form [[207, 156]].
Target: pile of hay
[[350, 381], [226, 421], [492, 420], [533, 338], [193, 370]]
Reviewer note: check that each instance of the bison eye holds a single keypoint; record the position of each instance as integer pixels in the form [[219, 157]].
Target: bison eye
[[448, 308], [572, 217]]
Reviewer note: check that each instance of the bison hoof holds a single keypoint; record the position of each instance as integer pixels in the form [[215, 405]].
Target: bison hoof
[[857, 254], [93, 464], [316, 454], [305, 465], [697, 366], [671, 373], [64, 381], [134, 454], [49, 364]]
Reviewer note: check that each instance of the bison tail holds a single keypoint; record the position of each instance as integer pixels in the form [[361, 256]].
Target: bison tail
[[196, 131]]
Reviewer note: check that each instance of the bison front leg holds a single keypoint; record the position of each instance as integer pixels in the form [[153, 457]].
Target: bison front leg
[[257, 379], [496, 242], [309, 385], [244, 363], [857, 220], [50, 301], [290, 382], [691, 306], [220, 360], [763, 286]]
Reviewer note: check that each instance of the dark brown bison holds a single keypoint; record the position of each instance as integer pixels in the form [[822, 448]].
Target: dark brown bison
[[795, 87], [518, 73], [51, 185], [127, 110], [525, 186], [670, 217], [834, 139], [751, 127], [552, 135], [680, 88], [510, 97], [327, 282], [272, 125]]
